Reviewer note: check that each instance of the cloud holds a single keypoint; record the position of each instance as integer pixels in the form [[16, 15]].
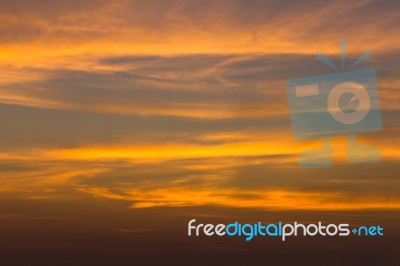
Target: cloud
[[141, 102], [194, 86], [182, 27], [272, 199], [174, 177]]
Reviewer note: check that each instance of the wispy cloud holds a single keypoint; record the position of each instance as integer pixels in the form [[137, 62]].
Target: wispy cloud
[[195, 26], [261, 199], [143, 101]]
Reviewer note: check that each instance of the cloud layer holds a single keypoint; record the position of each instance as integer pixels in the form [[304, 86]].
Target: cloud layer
[[183, 103]]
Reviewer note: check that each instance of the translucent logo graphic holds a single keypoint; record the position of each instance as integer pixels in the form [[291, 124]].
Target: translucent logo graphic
[[337, 104]]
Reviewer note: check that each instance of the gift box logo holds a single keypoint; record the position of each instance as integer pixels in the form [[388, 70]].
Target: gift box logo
[[337, 104]]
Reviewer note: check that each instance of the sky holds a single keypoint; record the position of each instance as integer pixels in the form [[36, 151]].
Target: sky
[[163, 110]]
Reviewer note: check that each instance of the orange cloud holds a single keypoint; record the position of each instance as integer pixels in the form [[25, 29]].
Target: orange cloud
[[132, 27], [276, 199], [177, 151], [56, 58]]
